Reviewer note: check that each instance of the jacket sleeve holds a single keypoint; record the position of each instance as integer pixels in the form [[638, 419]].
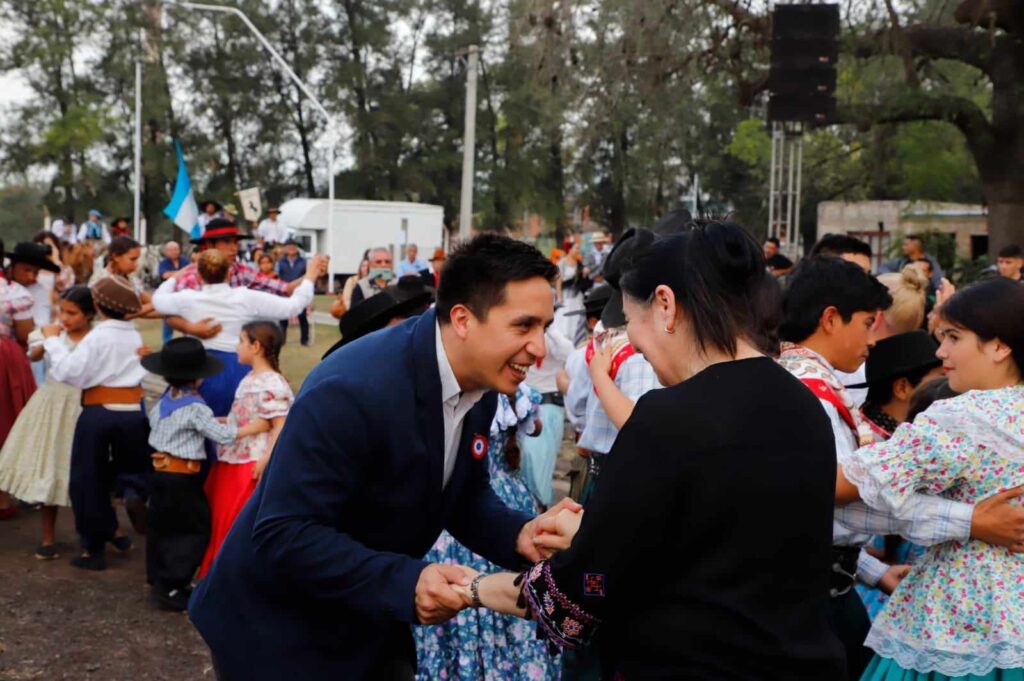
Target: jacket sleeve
[[316, 468], [484, 523], [271, 307]]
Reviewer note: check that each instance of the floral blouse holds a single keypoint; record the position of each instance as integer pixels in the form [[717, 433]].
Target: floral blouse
[[15, 305], [259, 396], [960, 611]]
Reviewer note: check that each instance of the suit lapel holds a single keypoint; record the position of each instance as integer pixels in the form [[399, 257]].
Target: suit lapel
[[429, 412], [477, 423]]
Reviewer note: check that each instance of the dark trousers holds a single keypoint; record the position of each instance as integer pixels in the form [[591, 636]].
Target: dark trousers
[[850, 622], [303, 327], [109, 450], [178, 531], [396, 660]]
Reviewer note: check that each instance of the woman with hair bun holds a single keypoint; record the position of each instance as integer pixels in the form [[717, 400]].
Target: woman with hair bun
[[701, 556]]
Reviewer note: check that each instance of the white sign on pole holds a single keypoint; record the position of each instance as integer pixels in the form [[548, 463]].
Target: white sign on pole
[[251, 206]]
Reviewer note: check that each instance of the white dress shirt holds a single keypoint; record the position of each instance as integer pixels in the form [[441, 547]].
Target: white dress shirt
[[231, 307], [66, 231], [455, 403], [83, 232], [541, 376], [272, 231], [105, 357]]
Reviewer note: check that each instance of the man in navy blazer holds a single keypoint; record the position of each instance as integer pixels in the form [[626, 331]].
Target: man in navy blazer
[[385, 446]]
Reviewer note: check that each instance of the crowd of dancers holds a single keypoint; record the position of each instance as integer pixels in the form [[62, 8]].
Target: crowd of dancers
[[785, 470]]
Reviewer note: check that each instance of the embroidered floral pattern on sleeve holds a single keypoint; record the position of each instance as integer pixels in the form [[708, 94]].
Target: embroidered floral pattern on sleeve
[[564, 622]]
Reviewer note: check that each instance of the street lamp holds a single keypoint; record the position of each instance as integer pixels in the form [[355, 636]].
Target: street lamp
[[332, 128]]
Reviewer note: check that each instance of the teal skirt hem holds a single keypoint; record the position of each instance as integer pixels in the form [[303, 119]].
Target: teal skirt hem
[[884, 669]]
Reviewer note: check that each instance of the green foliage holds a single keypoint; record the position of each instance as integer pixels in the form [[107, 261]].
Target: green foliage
[[612, 104]]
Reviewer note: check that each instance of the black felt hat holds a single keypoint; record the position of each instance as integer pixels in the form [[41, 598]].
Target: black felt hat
[[33, 254], [220, 228], [401, 299], [900, 355], [183, 359]]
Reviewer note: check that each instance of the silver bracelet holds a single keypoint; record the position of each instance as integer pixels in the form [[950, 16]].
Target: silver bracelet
[[474, 589]]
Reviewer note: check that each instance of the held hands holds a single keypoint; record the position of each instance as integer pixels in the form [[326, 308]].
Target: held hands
[[436, 598], [892, 578], [998, 522], [548, 533]]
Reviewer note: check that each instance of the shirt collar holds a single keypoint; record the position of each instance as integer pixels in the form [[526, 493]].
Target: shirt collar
[[450, 390], [116, 324]]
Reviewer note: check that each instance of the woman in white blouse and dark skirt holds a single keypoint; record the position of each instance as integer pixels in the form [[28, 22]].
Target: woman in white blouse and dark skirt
[[705, 554], [232, 308]]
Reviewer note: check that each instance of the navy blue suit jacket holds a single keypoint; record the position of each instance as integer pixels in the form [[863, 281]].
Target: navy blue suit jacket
[[323, 561]]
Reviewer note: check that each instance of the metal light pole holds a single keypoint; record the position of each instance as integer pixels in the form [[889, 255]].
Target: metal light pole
[[137, 189], [332, 129], [468, 145]]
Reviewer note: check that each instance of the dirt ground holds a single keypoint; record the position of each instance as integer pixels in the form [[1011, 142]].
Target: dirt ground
[[59, 622]]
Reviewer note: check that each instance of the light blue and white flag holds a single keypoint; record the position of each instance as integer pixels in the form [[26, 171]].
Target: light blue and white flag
[[183, 209]]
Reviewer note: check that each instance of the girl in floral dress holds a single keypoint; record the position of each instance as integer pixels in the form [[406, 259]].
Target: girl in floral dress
[[263, 394], [478, 643], [959, 614]]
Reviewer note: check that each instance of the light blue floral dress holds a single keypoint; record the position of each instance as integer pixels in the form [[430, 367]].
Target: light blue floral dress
[[960, 611], [479, 643]]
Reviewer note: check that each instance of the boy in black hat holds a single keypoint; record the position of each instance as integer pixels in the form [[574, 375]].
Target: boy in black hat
[[895, 367], [179, 514], [27, 259]]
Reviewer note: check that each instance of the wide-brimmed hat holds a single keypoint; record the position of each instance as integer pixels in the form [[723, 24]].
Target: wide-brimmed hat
[[93, 211], [33, 254], [596, 298], [273, 209], [183, 359], [438, 255], [400, 299], [600, 238], [220, 228], [207, 202], [898, 356]]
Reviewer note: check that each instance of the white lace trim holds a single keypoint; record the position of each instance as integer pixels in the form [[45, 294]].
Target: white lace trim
[[980, 661], [969, 417], [873, 492]]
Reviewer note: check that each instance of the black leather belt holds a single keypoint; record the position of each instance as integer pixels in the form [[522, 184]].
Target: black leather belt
[[552, 398], [843, 570]]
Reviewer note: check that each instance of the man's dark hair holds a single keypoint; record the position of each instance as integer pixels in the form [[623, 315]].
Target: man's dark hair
[[915, 237], [109, 312], [927, 262], [1011, 251], [774, 240], [837, 245], [477, 272], [880, 393], [180, 382], [822, 282]]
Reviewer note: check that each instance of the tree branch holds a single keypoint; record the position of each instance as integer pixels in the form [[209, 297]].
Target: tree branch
[[935, 42], [918, 106]]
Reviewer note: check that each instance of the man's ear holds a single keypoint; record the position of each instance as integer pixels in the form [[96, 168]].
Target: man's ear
[[830, 319], [901, 389], [460, 319]]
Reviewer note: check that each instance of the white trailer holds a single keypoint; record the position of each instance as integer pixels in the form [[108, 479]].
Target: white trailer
[[359, 225]]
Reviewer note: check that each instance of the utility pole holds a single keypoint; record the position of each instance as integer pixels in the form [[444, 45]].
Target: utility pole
[[469, 145], [137, 188]]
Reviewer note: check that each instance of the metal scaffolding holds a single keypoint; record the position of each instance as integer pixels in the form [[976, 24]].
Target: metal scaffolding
[[784, 185]]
